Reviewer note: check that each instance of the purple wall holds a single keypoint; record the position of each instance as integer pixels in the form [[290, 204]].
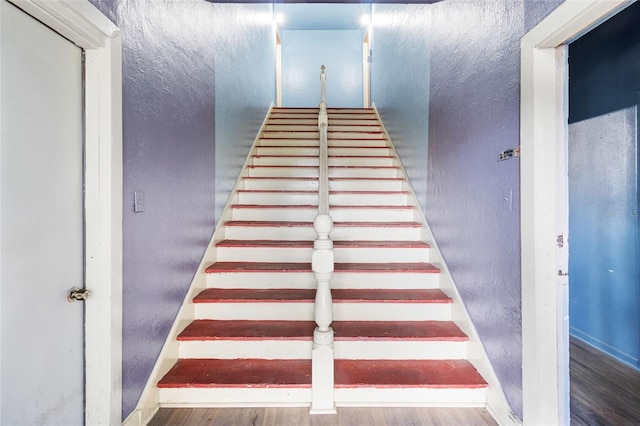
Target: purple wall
[[198, 80], [473, 84], [400, 71]]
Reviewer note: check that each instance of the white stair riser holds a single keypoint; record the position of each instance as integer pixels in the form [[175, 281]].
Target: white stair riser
[[284, 161], [410, 397], [361, 161], [354, 135], [311, 134], [287, 150], [309, 214], [278, 198], [312, 171], [311, 198], [283, 184], [234, 397], [343, 255], [391, 311], [348, 116], [379, 233], [313, 161], [334, 142], [288, 142], [362, 280], [312, 127], [259, 280], [333, 150], [377, 199], [308, 171], [294, 311], [344, 349], [396, 349], [366, 172], [304, 311], [288, 233], [314, 121], [232, 349], [292, 121], [305, 184]]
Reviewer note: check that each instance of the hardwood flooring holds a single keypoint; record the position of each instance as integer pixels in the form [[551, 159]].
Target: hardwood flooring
[[603, 390], [300, 417]]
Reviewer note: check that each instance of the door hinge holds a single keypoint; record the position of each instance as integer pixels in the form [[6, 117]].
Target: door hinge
[[560, 240]]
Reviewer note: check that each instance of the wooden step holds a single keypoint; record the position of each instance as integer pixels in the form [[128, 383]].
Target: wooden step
[[312, 171], [294, 230], [238, 373], [334, 150], [407, 382], [237, 382], [399, 340], [248, 330], [296, 304], [311, 183], [386, 268], [315, 142], [247, 339]]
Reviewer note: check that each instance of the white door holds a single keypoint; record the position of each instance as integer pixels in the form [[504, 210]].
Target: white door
[[41, 224]]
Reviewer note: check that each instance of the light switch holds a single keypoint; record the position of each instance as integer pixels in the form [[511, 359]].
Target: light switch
[[138, 201]]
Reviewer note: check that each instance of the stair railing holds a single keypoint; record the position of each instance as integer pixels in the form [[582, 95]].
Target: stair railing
[[322, 264]]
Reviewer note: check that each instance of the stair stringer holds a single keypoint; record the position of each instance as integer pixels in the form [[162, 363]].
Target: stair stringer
[[149, 402], [496, 403]]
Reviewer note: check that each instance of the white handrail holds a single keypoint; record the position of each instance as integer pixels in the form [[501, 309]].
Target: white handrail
[[322, 264]]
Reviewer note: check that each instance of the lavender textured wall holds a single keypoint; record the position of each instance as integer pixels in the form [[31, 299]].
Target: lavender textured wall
[[472, 51], [400, 72], [198, 80]]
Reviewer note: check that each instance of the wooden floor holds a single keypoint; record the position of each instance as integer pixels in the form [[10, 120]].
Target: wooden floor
[[603, 390], [301, 417]]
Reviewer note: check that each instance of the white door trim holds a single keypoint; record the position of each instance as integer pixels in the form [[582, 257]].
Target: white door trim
[[544, 205], [83, 24]]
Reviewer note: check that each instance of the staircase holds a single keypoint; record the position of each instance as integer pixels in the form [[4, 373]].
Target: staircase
[[249, 339]]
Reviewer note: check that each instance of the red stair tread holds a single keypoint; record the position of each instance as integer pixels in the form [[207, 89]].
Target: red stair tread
[[311, 206], [261, 191], [392, 330], [280, 178], [247, 330], [407, 373], [273, 206], [309, 244], [259, 267], [273, 223], [418, 267], [380, 244], [422, 267], [390, 295], [239, 295], [266, 243], [282, 223], [250, 373]]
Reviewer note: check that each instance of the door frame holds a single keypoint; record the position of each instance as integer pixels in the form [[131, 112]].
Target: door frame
[[84, 25], [544, 205]]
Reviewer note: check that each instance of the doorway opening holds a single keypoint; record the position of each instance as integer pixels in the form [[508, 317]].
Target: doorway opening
[[544, 205]]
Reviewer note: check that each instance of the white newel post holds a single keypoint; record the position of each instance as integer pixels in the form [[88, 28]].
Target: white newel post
[[322, 374]]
